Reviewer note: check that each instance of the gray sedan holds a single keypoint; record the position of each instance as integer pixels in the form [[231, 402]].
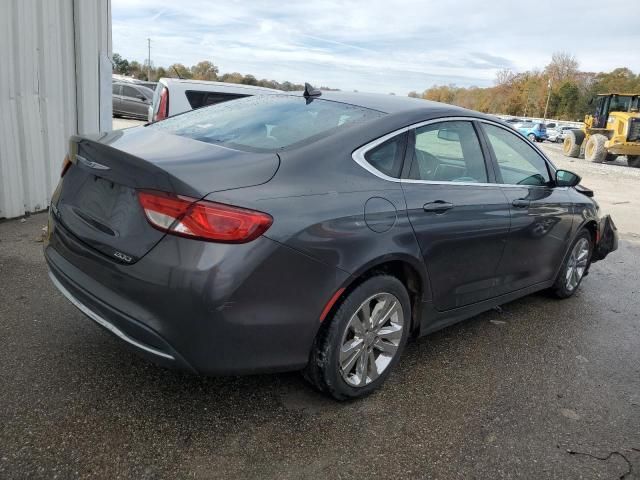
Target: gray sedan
[[316, 232], [131, 100]]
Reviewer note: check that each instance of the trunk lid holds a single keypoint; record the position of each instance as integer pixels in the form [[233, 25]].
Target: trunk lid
[[97, 201]]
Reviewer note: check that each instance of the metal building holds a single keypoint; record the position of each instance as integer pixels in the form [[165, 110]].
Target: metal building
[[55, 80]]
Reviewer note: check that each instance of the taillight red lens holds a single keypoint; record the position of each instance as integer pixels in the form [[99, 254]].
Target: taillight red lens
[[203, 220], [163, 107], [66, 163]]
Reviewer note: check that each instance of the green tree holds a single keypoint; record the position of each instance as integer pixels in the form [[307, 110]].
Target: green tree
[[178, 70], [160, 73], [121, 65], [250, 80], [204, 70], [234, 77], [568, 98]]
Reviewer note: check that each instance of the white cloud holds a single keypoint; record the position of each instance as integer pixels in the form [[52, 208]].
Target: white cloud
[[378, 45]]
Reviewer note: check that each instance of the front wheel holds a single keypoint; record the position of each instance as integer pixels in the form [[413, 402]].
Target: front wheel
[[532, 137], [595, 150], [574, 266], [572, 143], [353, 355]]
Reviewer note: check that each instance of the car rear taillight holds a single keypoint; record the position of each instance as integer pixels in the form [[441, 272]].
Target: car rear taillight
[[201, 219], [66, 163], [163, 107]]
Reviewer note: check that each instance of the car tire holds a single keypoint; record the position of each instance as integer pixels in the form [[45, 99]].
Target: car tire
[[575, 266], [532, 138], [332, 369], [594, 150], [633, 161], [572, 142]]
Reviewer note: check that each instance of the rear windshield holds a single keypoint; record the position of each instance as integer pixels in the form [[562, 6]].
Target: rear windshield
[[266, 122]]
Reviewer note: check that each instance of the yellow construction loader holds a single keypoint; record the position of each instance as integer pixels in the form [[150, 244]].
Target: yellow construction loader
[[612, 130]]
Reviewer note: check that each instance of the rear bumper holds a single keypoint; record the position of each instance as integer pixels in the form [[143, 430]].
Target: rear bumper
[[203, 307], [143, 340], [607, 239]]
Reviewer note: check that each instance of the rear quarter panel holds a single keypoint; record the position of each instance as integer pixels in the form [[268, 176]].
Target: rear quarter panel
[[318, 198]]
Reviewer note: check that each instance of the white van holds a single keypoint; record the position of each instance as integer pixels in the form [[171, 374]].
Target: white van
[[173, 95]]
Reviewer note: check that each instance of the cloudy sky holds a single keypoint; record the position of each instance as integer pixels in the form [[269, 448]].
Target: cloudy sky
[[379, 46]]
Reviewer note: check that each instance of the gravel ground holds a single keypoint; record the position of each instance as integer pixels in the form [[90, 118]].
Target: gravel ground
[[507, 394]]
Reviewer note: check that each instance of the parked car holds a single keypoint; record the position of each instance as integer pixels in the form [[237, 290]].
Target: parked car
[[315, 232], [131, 100], [513, 120], [563, 133], [553, 134], [536, 132], [173, 96]]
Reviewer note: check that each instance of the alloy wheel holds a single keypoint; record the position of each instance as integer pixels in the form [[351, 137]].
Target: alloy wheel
[[577, 263], [371, 339]]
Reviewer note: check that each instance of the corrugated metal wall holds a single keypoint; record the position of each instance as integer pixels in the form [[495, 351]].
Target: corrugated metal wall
[[50, 80]]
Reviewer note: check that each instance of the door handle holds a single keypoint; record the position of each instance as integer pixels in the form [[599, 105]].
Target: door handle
[[439, 206], [521, 203]]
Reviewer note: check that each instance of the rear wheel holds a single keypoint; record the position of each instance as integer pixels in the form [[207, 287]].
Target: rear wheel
[[572, 141], [594, 150], [574, 266], [353, 355], [532, 137], [633, 161]]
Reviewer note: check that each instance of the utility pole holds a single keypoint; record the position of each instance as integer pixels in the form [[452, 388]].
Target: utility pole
[[149, 60], [544, 120]]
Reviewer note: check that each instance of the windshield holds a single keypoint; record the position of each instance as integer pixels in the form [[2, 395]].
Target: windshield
[[623, 103], [266, 123]]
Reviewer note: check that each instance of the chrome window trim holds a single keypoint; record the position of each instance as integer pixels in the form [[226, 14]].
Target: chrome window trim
[[106, 324], [358, 155]]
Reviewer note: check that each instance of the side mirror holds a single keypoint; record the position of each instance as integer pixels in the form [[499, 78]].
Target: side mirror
[[141, 97], [565, 178]]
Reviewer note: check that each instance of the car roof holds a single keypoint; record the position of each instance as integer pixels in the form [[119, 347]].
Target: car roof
[[210, 85], [129, 84], [393, 104]]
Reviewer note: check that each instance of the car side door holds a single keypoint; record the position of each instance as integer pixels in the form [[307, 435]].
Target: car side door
[[117, 98], [541, 218], [459, 215], [133, 101]]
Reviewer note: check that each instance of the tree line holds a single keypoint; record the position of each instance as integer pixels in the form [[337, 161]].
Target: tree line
[[568, 89], [204, 70]]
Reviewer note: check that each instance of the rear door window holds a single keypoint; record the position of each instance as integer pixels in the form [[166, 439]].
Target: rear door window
[[518, 162], [128, 91], [448, 152]]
